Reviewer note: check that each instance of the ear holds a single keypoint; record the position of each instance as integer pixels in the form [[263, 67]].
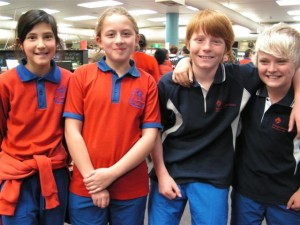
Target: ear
[[187, 44], [98, 41], [20, 45], [137, 39]]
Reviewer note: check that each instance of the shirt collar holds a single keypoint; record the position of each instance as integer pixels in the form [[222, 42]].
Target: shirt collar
[[133, 71], [25, 75], [220, 76], [288, 99]]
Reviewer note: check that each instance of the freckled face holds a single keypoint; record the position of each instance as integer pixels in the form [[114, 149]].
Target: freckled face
[[206, 51]]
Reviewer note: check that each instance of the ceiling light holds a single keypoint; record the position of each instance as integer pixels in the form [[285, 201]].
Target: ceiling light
[[80, 18], [192, 8], [294, 13], [64, 25], [288, 2], [183, 22], [4, 3], [161, 19], [50, 11], [141, 12], [5, 18], [230, 5], [297, 18], [99, 4]]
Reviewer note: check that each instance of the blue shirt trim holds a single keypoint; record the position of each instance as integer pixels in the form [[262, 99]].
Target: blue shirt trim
[[53, 76], [151, 125], [73, 116], [133, 71], [25, 75]]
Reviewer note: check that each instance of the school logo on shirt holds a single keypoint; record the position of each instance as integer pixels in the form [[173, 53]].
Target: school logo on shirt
[[276, 125], [278, 120], [220, 105], [60, 94], [137, 98]]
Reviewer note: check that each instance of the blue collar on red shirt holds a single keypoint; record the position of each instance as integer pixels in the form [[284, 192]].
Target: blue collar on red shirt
[[25, 75], [133, 71]]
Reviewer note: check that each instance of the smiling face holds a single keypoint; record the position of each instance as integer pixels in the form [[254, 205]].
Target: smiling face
[[39, 47], [206, 51], [276, 73], [118, 39]]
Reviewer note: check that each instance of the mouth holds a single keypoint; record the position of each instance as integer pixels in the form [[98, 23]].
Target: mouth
[[273, 77], [206, 57], [41, 53]]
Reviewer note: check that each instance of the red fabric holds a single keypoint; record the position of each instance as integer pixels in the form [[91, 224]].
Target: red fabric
[[168, 62], [111, 129], [148, 63], [165, 69], [26, 129], [30, 136], [13, 171], [245, 61]]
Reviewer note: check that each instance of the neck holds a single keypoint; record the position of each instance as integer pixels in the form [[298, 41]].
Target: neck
[[276, 94], [119, 68], [204, 76]]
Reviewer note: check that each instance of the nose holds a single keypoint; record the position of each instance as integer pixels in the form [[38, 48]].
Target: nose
[[119, 38], [272, 67], [206, 44], [40, 43]]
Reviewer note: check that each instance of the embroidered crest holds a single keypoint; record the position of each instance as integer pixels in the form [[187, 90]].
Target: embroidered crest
[[137, 98], [60, 94]]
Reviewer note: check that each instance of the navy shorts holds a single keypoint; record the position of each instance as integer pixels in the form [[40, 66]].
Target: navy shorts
[[31, 210], [248, 211], [119, 212]]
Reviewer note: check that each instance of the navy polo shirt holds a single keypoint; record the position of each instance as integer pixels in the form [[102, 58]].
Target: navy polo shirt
[[200, 127], [267, 163]]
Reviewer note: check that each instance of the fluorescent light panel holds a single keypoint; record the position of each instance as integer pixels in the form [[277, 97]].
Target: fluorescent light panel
[[99, 4], [5, 18], [161, 19], [64, 25], [141, 12], [192, 8], [297, 18], [231, 5], [2, 3], [80, 18], [50, 11], [294, 13], [288, 2]]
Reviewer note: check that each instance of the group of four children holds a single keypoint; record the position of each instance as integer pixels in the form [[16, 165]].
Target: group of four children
[[115, 116]]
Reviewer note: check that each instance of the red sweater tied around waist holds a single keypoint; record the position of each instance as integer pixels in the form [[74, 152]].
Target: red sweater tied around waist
[[13, 171]]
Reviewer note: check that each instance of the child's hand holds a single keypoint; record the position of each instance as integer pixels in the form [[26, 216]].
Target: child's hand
[[168, 187], [99, 179], [101, 198], [183, 73], [294, 202]]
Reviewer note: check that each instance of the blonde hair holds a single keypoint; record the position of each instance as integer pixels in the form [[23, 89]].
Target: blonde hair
[[281, 41], [114, 10], [213, 23]]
